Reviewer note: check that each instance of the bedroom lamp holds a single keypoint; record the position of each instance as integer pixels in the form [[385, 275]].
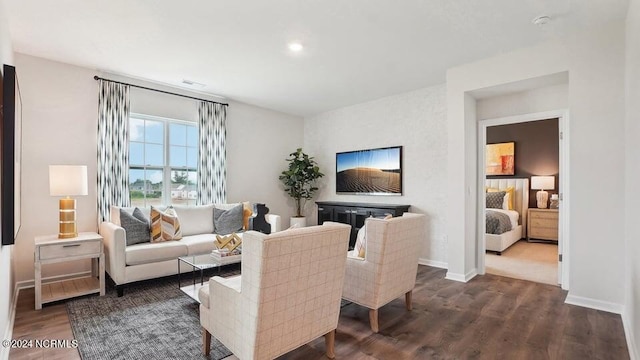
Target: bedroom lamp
[[542, 183], [67, 181]]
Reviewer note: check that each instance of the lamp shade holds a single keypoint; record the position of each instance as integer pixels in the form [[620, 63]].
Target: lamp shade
[[542, 182], [68, 180]]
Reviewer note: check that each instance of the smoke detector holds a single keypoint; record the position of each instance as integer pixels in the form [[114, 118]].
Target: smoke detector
[[541, 20]]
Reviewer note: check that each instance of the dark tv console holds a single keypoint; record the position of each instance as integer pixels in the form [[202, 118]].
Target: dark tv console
[[354, 214]]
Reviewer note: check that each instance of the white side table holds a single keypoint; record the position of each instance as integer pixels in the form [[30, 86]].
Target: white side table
[[49, 249]]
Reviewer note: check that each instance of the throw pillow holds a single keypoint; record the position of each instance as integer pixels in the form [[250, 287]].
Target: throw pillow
[[361, 238], [227, 221], [495, 200], [247, 211], [361, 241], [512, 193], [165, 225], [135, 226]]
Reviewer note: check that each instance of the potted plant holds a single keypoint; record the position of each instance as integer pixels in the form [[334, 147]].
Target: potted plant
[[299, 182]]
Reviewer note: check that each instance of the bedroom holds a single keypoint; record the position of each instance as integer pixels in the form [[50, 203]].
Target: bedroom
[[526, 119], [529, 250]]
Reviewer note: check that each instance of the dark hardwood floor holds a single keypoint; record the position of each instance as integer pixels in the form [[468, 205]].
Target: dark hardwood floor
[[491, 317]]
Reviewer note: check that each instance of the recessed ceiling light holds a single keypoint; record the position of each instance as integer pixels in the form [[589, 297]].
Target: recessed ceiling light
[[541, 20], [295, 47]]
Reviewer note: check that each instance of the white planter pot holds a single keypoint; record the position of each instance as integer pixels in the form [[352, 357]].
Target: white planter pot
[[298, 222]]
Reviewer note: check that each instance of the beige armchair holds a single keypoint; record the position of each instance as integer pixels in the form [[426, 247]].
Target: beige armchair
[[288, 294], [389, 268]]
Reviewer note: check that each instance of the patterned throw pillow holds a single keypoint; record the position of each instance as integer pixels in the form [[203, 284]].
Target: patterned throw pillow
[[227, 221], [165, 225], [495, 200], [511, 193], [135, 225]]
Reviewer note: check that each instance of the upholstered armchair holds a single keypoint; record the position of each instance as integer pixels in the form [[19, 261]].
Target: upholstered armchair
[[288, 294], [390, 265]]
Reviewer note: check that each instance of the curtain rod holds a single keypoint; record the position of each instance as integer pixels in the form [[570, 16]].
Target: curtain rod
[[160, 91]]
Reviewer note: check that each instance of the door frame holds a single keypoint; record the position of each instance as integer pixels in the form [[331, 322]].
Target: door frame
[[563, 212]]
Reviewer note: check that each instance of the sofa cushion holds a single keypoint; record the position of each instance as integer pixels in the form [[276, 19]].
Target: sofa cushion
[[195, 220], [199, 244], [228, 221], [154, 252]]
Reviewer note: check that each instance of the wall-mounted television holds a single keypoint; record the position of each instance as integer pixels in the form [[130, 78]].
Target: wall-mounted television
[[11, 138], [370, 172]]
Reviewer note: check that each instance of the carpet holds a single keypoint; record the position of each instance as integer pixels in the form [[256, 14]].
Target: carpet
[[536, 262], [153, 320]]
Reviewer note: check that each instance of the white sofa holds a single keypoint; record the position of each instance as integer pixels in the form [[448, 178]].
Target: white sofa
[[126, 264]]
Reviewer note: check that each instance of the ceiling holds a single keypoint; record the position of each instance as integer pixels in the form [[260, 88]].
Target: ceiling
[[354, 50]]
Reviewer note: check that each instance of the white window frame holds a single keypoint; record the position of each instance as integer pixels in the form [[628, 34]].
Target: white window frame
[[166, 167]]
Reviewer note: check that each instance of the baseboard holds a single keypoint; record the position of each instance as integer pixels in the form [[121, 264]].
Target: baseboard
[[594, 304], [8, 332], [433, 263], [460, 277], [26, 284], [628, 332]]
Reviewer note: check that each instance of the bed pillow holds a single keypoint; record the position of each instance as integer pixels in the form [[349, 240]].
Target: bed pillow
[[495, 200], [512, 194]]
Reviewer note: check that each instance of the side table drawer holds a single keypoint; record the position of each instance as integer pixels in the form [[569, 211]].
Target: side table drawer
[[54, 251], [544, 223]]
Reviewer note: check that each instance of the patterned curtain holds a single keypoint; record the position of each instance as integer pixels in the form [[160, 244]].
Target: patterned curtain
[[113, 147], [212, 167]]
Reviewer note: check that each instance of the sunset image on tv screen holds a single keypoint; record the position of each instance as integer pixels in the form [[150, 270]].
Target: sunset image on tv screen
[[376, 171]]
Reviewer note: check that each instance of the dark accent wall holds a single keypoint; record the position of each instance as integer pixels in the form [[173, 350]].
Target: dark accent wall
[[537, 150]]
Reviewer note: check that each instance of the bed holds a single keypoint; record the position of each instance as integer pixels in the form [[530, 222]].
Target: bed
[[518, 216]]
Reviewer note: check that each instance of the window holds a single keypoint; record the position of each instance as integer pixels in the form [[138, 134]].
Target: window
[[163, 161]]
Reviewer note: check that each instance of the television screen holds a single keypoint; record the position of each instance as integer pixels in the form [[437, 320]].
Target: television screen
[[370, 172]]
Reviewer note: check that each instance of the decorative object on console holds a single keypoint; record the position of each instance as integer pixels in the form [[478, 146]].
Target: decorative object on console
[[542, 183], [370, 172], [299, 180], [67, 181], [555, 201], [500, 159]]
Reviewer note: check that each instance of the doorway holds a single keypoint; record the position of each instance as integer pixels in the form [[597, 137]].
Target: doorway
[[540, 149]]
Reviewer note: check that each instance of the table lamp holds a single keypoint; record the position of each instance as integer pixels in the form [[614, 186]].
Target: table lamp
[[67, 181], [542, 183]]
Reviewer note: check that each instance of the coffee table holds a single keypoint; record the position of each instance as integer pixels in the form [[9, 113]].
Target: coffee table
[[201, 263]]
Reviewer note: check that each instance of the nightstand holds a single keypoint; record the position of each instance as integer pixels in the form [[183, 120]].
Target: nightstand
[[542, 224], [49, 249]]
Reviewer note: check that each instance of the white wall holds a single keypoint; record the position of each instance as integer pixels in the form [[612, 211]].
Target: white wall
[[415, 120], [631, 316], [525, 102], [6, 268], [595, 62], [60, 127]]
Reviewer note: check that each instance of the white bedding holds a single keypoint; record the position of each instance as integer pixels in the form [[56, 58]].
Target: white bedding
[[513, 216]]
